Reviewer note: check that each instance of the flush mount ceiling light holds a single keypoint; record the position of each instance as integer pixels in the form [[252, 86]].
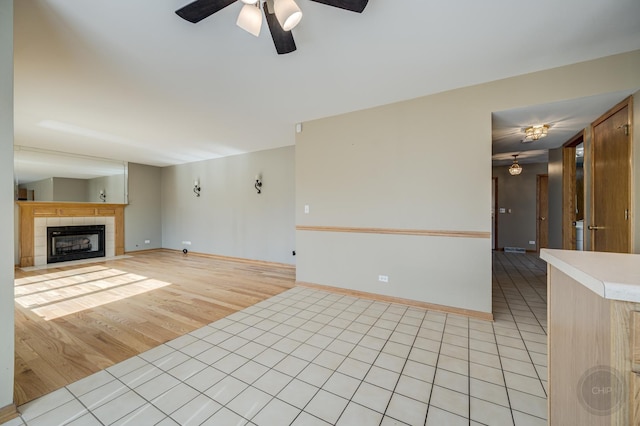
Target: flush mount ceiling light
[[281, 15], [533, 133], [515, 168]]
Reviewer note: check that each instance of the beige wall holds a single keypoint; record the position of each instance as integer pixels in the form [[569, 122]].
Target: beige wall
[[420, 164], [143, 216], [6, 203], [230, 218], [42, 189]]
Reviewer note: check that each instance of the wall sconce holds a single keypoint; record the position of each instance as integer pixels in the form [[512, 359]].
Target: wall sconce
[[258, 184], [196, 188], [103, 196]]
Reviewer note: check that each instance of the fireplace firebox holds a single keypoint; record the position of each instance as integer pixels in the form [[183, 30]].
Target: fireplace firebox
[[66, 243]]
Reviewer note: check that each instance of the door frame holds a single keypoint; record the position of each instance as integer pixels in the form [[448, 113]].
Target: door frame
[[627, 102], [494, 182], [569, 190], [538, 216]]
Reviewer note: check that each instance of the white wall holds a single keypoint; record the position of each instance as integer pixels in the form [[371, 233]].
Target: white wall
[[143, 215], [230, 218], [420, 164], [6, 203]]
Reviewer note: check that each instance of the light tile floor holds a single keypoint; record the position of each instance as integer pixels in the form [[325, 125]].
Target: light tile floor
[[309, 357]]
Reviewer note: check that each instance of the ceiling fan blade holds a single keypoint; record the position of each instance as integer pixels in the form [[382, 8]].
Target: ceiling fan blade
[[283, 40], [200, 9], [352, 5]]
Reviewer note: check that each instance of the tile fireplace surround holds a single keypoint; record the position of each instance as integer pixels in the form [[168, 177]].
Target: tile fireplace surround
[[36, 216]]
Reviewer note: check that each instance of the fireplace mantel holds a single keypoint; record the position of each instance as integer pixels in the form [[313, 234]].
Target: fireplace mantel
[[30, 210]]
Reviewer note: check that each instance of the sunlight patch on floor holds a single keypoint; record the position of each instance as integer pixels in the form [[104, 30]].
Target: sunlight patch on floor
[[62, 293]]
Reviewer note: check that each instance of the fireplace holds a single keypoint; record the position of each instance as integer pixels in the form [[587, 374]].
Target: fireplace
[[66, 243]]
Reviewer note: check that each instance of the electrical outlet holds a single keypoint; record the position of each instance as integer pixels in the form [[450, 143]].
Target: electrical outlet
[[186, 243], [147, 241], [306, 209], [383, 278], [533, 243]]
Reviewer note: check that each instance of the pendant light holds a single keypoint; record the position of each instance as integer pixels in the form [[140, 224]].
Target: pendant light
[[515, 168]]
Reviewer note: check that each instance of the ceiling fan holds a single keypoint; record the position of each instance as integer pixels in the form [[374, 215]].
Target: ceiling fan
[[282, 16]]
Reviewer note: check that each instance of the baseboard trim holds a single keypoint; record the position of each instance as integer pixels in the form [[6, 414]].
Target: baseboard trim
[[9, 412], [235, 259], [486, 316], [144, 251]]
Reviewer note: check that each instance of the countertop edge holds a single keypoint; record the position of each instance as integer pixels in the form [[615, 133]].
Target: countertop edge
[[593, 284], [610, 275]]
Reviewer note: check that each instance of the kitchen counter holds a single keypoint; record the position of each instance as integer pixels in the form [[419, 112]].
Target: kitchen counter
[[593, 317]]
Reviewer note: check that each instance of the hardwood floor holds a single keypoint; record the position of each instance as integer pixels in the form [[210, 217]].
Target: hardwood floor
[[73, 321]]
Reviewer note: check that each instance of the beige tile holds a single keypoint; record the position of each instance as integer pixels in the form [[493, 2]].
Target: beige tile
[[341, 385], [453, 381], [249, 402], [454, 351], [414, 388], [522, 419], [372, 396], [525, 368], [326, 406], [419, 371], [449, 400], [527, 403], [489, 392], [383, 378], [275, 413], [490, 414], [524, 384], [486, 373], [354, 368], [439, 417], [453, 364], [406, 409], [297, 393]]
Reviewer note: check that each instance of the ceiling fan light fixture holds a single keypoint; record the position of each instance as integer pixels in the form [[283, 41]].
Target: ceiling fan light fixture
[[250, 19], [515, 168], [288, 13], [536, 132]]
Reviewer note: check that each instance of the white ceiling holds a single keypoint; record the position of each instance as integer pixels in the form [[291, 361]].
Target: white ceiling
[[130, 80]]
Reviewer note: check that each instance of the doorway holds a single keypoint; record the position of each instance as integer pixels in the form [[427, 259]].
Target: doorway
[[610, 224], [573, 204]]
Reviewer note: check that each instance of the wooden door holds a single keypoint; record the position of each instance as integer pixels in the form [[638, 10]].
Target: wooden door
[[610, 227], [542, 211]]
